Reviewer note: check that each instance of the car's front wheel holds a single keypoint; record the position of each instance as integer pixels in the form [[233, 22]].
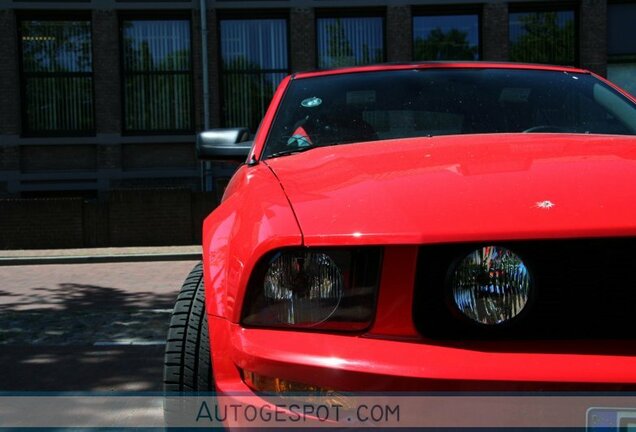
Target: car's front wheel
[[187, 365]]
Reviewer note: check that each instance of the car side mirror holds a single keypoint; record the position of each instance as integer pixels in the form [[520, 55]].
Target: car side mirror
[[224, 144]]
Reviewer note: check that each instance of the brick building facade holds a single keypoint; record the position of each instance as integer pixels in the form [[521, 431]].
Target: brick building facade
[[89, 181]]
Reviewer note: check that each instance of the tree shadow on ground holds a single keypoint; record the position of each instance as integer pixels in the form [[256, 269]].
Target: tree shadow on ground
[[76, 314], [50, 339]]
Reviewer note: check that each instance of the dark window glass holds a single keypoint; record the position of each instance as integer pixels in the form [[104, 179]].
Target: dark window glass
[[57, 84], [157, 76], [621, 45], [254, 61], [623, 74], [371, 106], [350, 41], [621, 31], [450, 37], [543, 37]]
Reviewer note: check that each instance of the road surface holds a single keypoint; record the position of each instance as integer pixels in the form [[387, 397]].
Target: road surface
[[85, 327]]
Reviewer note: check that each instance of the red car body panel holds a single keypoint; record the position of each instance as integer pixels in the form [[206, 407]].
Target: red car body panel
[[402, 194], [437, 65], [463, 188], [254, 218], [371, 364]]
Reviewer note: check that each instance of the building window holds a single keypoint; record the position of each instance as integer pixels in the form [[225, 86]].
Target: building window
[[157, 64], [350, 41], [547, 37], [621, 45], [446, 37], [57, 81], [253, 61]]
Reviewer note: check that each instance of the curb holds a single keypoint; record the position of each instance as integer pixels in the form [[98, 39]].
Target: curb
[[95, 259]]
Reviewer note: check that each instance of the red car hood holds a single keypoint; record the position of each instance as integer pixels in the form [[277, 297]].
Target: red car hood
[[463, 188]]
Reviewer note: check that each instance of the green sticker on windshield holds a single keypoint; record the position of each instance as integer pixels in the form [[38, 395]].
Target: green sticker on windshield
[[311, 102]]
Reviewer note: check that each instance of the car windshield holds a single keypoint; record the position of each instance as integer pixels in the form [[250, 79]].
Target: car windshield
[[369, 106]]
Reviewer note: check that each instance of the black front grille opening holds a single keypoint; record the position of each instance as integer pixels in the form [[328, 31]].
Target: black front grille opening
[[582, 289]]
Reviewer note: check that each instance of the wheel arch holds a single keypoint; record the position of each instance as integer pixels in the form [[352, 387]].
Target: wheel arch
[[251, 221]]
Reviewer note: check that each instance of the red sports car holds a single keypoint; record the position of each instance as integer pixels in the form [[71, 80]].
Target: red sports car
[[416, 227]]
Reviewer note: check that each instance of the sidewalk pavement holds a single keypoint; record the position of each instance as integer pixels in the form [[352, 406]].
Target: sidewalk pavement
[[100, 255]]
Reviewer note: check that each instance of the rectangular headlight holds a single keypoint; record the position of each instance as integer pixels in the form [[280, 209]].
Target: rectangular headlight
[[322, 289]]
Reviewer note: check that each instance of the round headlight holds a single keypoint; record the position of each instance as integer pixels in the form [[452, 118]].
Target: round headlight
[[490, 285], [306, 287]]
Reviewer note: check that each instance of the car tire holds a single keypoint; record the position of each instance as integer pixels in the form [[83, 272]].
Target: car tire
[[187, 364]]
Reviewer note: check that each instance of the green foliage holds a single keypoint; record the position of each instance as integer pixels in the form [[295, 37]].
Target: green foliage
[[246, 93], [55, 102], [340, 52], [440, 45], [339, 45], [544, 40], [56, 46], [157, 101], [141, 58]]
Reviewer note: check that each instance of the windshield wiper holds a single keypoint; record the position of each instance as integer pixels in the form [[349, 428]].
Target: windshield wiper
[[291, 151]]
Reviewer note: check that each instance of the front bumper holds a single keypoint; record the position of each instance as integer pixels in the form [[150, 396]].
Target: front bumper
[[359, 367], [370, 364]]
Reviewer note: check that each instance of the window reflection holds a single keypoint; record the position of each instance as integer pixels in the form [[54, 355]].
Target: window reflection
[[58, 81], [157, 75], [350, 41], [254, 61], [621, 45], [450, 37], [543, 37]]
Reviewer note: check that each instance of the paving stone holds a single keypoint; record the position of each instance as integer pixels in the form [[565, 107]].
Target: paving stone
[[84, 304]]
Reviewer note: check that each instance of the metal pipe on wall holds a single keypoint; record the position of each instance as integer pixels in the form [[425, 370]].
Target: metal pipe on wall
[[206, 168]]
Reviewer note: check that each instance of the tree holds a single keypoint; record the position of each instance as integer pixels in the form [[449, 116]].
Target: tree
[[341, 53], [440, 45], [246, 92], [161, 100], [57, 62], [56, 46], [544, 40]]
